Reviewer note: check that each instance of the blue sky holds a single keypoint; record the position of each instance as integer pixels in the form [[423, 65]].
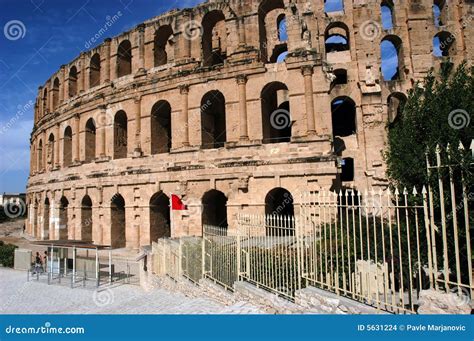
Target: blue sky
[[54, 32]]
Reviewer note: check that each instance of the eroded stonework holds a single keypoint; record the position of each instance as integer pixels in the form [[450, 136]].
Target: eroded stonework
[[200, 103]]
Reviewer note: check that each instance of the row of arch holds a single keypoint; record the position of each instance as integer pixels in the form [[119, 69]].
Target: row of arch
[[215, 46], [213, 212]]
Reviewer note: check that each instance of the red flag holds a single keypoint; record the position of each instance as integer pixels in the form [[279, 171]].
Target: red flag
[[176, 203]]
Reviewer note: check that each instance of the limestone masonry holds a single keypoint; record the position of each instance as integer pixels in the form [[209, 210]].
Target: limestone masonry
[[234, 106]]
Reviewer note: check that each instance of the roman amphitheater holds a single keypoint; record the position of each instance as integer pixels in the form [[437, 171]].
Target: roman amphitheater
[[234, 106]]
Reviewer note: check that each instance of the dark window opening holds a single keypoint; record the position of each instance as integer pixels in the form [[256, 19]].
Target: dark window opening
[[161, 128], [213, 120], [276, 114], [124, 59], [120, 135], [214, 209], [347, 169], [343, 111]]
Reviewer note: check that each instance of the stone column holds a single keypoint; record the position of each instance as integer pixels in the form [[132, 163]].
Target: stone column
[[82, 81], [65, 85], [107, 71], [242, 83], [138, 116], [141, 48], [61, 85], [307, 72], [102, 129], [44, 151], [184, 90], [241, 23], [51, 98], [56, 147], [75, 150]]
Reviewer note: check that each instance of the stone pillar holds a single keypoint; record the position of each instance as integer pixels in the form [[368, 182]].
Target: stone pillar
[[75, 149], [242, 83], [106, 48], [102, 128], [184, 90], [65, 85], [307, 72], [138, 116], [44, 151], [51, 98], [141, 48], [82, 74], [56, 147], [61, 85], [241, 23]]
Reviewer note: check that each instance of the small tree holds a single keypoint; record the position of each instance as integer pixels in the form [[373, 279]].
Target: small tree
[[439, 111]]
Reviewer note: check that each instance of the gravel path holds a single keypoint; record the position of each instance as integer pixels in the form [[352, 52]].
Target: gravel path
[[17, 296]]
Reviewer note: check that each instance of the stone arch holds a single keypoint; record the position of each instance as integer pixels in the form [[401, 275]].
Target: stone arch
[[67, 147], [265, 31], [160, 223], [51, 149], [72, 81], [120, 135], [214, 208], [90, 140], [387, 14], [86, 219], [40, 164], [160, 127], [94, 71], [55, 93], [124, 58], [444, 44], [278, 204], [46, 215], [214, 38], [439, 12], [213, 120], [162, 45], [63, 218], [343, 113], [118, 221], [390, 50], [336, 37], [276, 114], [395, 103]]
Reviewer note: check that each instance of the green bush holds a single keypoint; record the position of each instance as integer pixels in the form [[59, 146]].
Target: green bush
[[7, 254]]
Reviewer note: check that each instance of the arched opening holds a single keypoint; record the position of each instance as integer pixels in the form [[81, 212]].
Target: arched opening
[[390, 49], [269, 12], [386, 9], [279, 54], [213, 117], [276, 116], [214, 38], [46, 214], [90, 143], [67, 147], [443, 43], [94, 71], [120, 135], [214, 208], [343, 111], [86, 219], [161, 127], [63, 218], [281, 26], [278, 204], [160, 224], [117, 215], [72, 81], [395, 102], [45, 101], [40, 156], [333, 6], [55, 93], [161, 42], [439, 12], [336, 37], [347, 169], [124, 59], [51, 148]]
